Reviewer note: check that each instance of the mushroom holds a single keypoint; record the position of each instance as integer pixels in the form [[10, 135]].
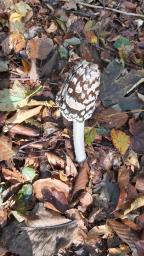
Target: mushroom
[[77, 101]]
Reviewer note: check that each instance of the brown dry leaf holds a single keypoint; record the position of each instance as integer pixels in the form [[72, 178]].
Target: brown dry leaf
[[39, 48], [125, 234], [140, 247], [23, 130], [70, 167], [45, 233], [52, 28], [137, 203], [26, 66], [137, 140], [17, 42], [123, 181], [23, 115], [120, 140], [85, 201], [81, 180], [13, 176], [55, 160], [3, 217], [132, 160], [111, 118], [6, 151], [131, 224], [53, 192], [102, 230], [140, 183]]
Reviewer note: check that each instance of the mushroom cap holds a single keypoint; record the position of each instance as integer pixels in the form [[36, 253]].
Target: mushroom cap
[[78, 95]]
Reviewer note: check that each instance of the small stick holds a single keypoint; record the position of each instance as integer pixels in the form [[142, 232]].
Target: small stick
[[138, 15]]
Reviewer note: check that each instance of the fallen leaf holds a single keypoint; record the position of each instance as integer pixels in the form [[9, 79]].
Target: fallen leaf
[[52, 191], [137, 203], [112, 118], [55, 160], [29, 173], [39, 48], [137, 140], [140, 247], [72, 41], [70, 168], [81, 180], [24, 199], [13, 176], [125, 234], [3, 217], [120, 140], [121, 41], [23, 115], [23, 130], [45, 239], [91, 37], [6, 151], [22, 8], [17, 42], [99, 231], [85, 201], [52, 28], [89, 135], [140, 183]]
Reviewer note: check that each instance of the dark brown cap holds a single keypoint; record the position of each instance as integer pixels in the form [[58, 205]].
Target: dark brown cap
[[77, 97]]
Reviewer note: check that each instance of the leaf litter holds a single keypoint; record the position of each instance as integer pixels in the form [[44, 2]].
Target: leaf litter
[[55, 205]]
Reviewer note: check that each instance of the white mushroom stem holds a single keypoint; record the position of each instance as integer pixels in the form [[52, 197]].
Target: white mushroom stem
[[78, 140]]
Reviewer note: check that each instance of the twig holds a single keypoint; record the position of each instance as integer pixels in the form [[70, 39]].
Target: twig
[[109, 9]]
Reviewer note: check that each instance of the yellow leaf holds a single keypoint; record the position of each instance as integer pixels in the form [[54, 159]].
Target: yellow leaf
[[91, 37], [120, 140], [15, 17], [137, 203]]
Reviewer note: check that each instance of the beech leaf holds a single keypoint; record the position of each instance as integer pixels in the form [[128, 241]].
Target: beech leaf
[[120, 140], [6, 151]]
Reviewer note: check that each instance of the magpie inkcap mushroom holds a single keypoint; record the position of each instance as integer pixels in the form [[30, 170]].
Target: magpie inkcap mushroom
[[77, 100]]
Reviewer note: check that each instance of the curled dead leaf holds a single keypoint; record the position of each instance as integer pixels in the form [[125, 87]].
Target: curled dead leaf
[[81, 180], [125, 234], [13, 176], [55, 160], [54, 193]]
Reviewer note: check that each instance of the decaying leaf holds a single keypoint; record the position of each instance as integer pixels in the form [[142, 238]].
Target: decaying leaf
[[70, 169], [39, 48], [55, 160], [81, 180], [112, 118], [137, 203], [137, 140], [13, 176], [6, 151], [3, 217], [23, 115], [125, 233], [53, 192], [44, 234], [120, 140], [85, 201]]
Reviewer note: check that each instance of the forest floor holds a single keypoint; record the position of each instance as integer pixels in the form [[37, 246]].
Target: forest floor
[[49, 204]]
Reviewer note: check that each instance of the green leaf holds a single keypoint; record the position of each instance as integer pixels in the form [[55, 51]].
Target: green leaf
[[29, 173], [89, 25], [72, 41], [24, 199], [121, 41], [63, 52], [89, 134], [16, 97]]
